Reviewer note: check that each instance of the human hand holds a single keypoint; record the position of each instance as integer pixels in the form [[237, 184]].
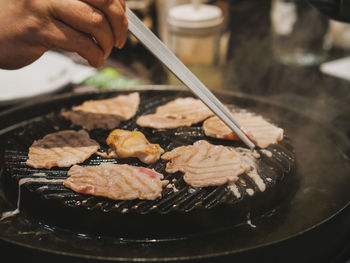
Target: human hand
[[88, 27]]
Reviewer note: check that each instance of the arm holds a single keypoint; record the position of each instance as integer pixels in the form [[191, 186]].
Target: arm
[[88, 27]]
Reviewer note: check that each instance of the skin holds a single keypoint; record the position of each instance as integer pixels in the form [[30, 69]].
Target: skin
[[90, 28]]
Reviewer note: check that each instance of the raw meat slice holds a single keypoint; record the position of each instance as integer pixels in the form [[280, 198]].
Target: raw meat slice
[[104, 114], [260, 131], [177, 113], [160, 122], [205, 164], [116, 181], [62, 149]]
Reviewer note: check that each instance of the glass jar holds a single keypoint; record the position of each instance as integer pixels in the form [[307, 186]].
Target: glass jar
[[194, 36], [299, 33]]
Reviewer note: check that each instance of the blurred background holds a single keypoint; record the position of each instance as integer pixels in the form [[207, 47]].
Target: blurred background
[[266, 47], [281, 49]]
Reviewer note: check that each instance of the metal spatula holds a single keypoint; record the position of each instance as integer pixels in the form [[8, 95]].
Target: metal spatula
[[168, 58]]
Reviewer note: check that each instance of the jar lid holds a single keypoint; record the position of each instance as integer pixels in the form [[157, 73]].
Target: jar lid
[[190, 16]]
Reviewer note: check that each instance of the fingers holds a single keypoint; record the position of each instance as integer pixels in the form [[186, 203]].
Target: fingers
[[62, 36], [114, 10], [122, 2], [85, 18]]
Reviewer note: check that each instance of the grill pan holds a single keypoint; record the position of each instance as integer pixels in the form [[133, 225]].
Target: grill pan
[[180, 205], [220, 241], [184, 199]]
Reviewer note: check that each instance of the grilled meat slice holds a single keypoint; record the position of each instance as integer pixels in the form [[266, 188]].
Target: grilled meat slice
[[61, 149], [116, 181], [134, 144], [260, 131], [204, 164], [161, 122], [177, 113], [104, 114]]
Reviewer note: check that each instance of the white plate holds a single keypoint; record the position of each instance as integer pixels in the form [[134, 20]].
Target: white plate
[[48, 74]]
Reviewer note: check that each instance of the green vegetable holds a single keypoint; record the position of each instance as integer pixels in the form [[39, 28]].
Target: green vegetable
[[110, 78]]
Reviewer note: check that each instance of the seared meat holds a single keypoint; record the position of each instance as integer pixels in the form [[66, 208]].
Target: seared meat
[[104, 114], [261, 132], [161, 122], [61, 149], [177, 113], [185, 108], [204, 164], [116, 181], [134, 144]]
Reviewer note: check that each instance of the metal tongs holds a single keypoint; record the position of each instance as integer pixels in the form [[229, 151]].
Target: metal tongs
[[168, 58]]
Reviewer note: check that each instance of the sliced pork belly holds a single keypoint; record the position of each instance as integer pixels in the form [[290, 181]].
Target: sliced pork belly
[[116, 181], [161, 122], [260, 131], [177, 113], [185, 108], [61, 149], [104, 114], [133, 144], [204, 164]]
